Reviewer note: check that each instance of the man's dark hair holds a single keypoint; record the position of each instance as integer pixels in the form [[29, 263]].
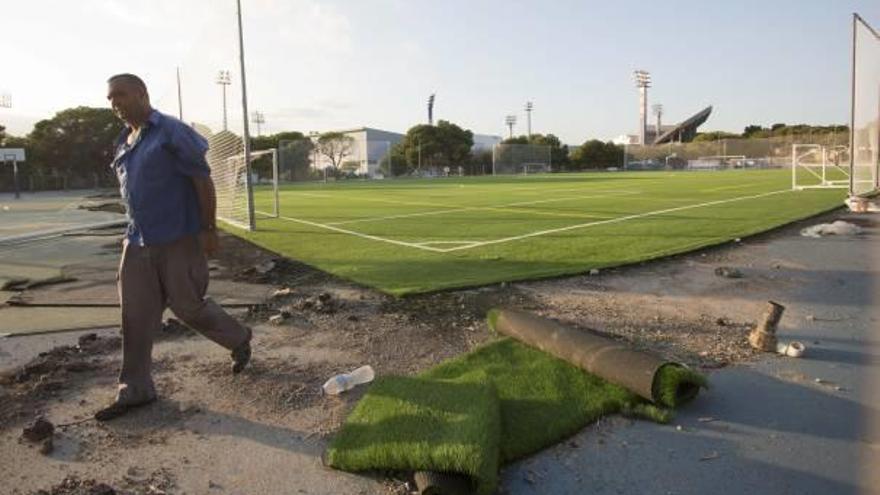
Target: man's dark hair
[[129, 78]]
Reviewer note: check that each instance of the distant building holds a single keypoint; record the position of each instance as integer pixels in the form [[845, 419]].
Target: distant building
[[368, 149]]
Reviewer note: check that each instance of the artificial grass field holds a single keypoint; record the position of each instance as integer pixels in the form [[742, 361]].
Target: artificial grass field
[[420, 235], [493, 405]]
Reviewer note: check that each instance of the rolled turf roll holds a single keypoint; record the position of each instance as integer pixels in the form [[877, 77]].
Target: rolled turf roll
[[651, 377]]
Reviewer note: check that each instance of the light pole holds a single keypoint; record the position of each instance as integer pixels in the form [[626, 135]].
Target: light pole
[[510, 121], [431, 108], [314, 137], [643, 82], [658, 112], [529, 108], [258, 118], [224, 80]]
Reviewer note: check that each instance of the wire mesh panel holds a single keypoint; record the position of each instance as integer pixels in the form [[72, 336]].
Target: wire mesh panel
[[865, 159], [521, 159]]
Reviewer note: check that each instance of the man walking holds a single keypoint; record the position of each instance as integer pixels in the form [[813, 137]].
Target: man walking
[[166, 184]]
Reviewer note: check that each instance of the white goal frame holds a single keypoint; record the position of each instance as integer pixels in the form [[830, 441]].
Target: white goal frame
[[817, 171]]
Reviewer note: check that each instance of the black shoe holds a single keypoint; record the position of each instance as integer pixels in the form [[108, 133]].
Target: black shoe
[[117, 409], [241, 355]]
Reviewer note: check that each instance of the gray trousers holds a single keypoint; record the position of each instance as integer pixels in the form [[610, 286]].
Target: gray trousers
[[150, 279]]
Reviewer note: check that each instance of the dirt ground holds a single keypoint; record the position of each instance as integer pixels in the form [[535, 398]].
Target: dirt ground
[[263, 431]]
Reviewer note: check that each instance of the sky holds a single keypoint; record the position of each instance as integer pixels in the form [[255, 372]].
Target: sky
[[318, 65]]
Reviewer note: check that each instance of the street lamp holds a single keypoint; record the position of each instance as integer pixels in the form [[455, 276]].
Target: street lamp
[[510, 121], [643, 82], [529, 108], [224, 80]]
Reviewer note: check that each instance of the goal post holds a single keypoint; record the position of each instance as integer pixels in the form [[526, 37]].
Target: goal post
[[864, 157], [814, 166], [510, 159]]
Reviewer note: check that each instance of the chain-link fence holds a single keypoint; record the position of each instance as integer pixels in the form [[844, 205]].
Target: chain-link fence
[[773, 152], [521, 159]]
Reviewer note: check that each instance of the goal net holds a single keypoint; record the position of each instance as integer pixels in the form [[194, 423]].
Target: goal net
[[816, 166], [508, 159], [865, 120], [232, 186]]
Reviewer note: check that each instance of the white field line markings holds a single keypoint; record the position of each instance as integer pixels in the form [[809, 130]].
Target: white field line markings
[[358, 234], [495, 207], [737, 186], [613, 220]]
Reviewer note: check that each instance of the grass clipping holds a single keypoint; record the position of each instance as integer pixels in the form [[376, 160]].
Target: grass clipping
[[493, 405]]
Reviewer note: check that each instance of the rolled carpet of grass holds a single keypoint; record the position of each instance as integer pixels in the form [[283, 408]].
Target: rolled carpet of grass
[[469, 415]]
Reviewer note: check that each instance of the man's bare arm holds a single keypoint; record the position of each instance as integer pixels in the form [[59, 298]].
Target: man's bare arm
[[207, 198]]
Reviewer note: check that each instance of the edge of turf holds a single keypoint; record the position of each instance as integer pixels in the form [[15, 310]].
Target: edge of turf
[[250, 236]]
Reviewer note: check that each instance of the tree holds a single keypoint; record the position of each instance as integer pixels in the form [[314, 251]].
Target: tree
[[441, 145], [290, 145], [596, 154], [715, 136], [335, 146], [76, 144]]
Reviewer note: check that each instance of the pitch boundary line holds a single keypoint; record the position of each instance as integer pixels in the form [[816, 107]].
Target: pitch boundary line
[[612, 220], [490, 208], [354, 233], [473, 244]]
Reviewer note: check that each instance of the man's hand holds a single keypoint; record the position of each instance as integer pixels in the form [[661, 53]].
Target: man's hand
[[209, 241]]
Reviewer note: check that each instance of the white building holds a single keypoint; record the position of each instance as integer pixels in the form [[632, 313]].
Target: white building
[[368, 148]]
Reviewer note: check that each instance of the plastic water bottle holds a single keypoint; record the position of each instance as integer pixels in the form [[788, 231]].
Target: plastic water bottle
[[347, 381]]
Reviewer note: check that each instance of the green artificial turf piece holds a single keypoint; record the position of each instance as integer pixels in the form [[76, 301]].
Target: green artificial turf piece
[[445, 419], [372, 230], [675, 385], [416, 424]]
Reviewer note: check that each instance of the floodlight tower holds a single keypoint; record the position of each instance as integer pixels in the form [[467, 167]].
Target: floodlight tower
[[510, 121], [258, 118], [529, 108], [658, 112], [431, 108], [643, 82], [224, 80]]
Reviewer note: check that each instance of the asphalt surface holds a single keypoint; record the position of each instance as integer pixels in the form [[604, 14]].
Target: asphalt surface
[[779, 425]]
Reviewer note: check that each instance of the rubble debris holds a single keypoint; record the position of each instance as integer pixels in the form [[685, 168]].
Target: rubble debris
[[86, 339], [265, 267], [763, 337], [39, 430], [838, 227], [276, 319], [793, 349], [282, 292], [728, 272], [594, 271], [22, 284], [47, 446]]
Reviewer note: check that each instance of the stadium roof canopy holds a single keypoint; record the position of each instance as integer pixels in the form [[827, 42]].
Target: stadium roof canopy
[[686, 130]]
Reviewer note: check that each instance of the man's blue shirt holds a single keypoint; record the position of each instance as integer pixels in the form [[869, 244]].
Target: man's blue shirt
[[155, 179]]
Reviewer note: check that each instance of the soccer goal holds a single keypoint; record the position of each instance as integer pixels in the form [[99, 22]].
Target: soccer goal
[[865, 110], [717, 162], [814, 166], [510, 159]]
